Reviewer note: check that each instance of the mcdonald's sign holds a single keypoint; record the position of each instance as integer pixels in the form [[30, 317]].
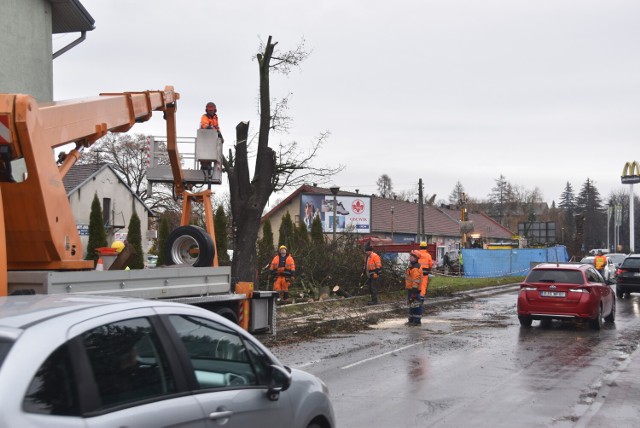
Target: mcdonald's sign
[[631, 173]]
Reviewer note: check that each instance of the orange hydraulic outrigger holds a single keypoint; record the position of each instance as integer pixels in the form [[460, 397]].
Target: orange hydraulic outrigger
[[37, 227]]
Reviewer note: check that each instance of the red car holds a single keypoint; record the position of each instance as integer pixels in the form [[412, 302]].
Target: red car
[[565, 291]]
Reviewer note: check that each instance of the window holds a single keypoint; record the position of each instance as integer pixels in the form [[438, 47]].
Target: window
[[128, 362], [631, 262], [53, 389], [556, 275], [218, 354], [106, 211]]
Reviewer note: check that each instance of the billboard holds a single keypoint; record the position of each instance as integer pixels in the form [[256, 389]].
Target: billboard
[[353, 213]]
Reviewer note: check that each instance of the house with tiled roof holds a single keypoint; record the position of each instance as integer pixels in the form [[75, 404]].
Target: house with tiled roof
[[397, 219], [117, 199], [384, 218]]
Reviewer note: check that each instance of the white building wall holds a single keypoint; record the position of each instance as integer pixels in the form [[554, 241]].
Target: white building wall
[[107, 185], [26, 49]]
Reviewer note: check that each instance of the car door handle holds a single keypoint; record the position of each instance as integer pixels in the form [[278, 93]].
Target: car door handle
[[224, 414]]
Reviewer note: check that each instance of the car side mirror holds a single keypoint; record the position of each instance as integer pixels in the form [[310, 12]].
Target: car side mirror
[[279, 380]]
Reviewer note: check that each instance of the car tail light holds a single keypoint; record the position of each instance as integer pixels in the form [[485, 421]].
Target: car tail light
[[579, 290], [527, 288], [619, 271]]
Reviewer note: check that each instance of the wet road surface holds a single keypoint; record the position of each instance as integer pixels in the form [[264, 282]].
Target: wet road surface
[[471, 364]]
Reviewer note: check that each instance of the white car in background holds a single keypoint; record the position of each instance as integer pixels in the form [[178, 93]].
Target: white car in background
[[609, 268], [617, 258]]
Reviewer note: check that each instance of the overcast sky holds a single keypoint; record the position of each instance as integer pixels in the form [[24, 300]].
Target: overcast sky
[[542, 92]]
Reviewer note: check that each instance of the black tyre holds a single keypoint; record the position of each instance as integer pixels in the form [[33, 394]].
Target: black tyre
[[228, 314], [189, 245], [597, 322], [612, 315], [545, 323], [525, 321]]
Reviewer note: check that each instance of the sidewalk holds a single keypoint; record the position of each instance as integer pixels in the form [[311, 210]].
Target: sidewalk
[[618, 401]]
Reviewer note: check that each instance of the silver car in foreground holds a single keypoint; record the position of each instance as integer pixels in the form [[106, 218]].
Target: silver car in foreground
[[86, 361]]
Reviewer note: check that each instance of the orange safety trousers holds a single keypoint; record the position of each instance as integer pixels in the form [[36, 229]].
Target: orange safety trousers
[[281, 283], [424, 285]]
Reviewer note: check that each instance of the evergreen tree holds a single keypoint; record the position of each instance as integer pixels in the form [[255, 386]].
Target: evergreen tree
[[302, 236], [286, 231], [97, 234], [568, 206], [134, 238], [317, 233], [589, 206], [161, 244], [265, 252], [222, 241], [567, 198]]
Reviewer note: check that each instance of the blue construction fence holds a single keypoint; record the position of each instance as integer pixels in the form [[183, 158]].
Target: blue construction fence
[[480, 263]]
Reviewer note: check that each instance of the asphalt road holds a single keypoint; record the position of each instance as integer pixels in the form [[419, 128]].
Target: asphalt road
[[471, 364]]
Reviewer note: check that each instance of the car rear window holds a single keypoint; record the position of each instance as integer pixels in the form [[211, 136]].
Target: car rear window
[[631, 262], [556, 275]]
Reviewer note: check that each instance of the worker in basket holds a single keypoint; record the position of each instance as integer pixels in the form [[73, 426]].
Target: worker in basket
[[283, 269], [209, 120]]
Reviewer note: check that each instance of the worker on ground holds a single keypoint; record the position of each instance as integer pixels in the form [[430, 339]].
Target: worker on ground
[[600, 261], [372, 271], [413, 284], [283, 269], [209, 120], [426, 261], [460, 263]]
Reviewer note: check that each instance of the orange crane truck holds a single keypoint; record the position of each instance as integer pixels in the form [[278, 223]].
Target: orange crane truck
[[40, 247]]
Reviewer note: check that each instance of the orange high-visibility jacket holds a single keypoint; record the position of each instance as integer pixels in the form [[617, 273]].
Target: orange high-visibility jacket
[[283, 265], [207, 121], [372, 265], [426, 261], [600, 262], [413, 276]]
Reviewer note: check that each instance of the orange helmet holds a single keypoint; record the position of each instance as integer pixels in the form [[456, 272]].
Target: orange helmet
[[415, 253]]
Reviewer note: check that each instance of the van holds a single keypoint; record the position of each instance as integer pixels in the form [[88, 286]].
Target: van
[[594, 251]]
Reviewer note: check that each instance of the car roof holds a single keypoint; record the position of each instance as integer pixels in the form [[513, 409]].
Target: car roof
[[25, 310], [562, 265]]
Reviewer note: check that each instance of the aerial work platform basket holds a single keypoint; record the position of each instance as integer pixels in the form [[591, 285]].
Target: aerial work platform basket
[[206, 147]]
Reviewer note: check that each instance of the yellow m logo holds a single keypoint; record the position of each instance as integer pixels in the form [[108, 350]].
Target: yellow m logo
[[631, 173]]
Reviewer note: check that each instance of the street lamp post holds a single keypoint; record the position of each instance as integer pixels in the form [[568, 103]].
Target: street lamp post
[[334, 190]]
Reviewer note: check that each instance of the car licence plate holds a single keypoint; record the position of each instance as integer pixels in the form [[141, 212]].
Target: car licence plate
[[552, 293]]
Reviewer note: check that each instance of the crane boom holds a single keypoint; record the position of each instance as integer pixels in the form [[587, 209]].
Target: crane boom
[[37, 222]]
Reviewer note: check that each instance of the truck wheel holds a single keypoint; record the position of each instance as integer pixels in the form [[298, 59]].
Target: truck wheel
[[189, 245], [228, 314]]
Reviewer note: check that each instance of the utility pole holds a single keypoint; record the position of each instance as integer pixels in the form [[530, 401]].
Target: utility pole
[[463, 217], [420, 212], [334, 190]]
